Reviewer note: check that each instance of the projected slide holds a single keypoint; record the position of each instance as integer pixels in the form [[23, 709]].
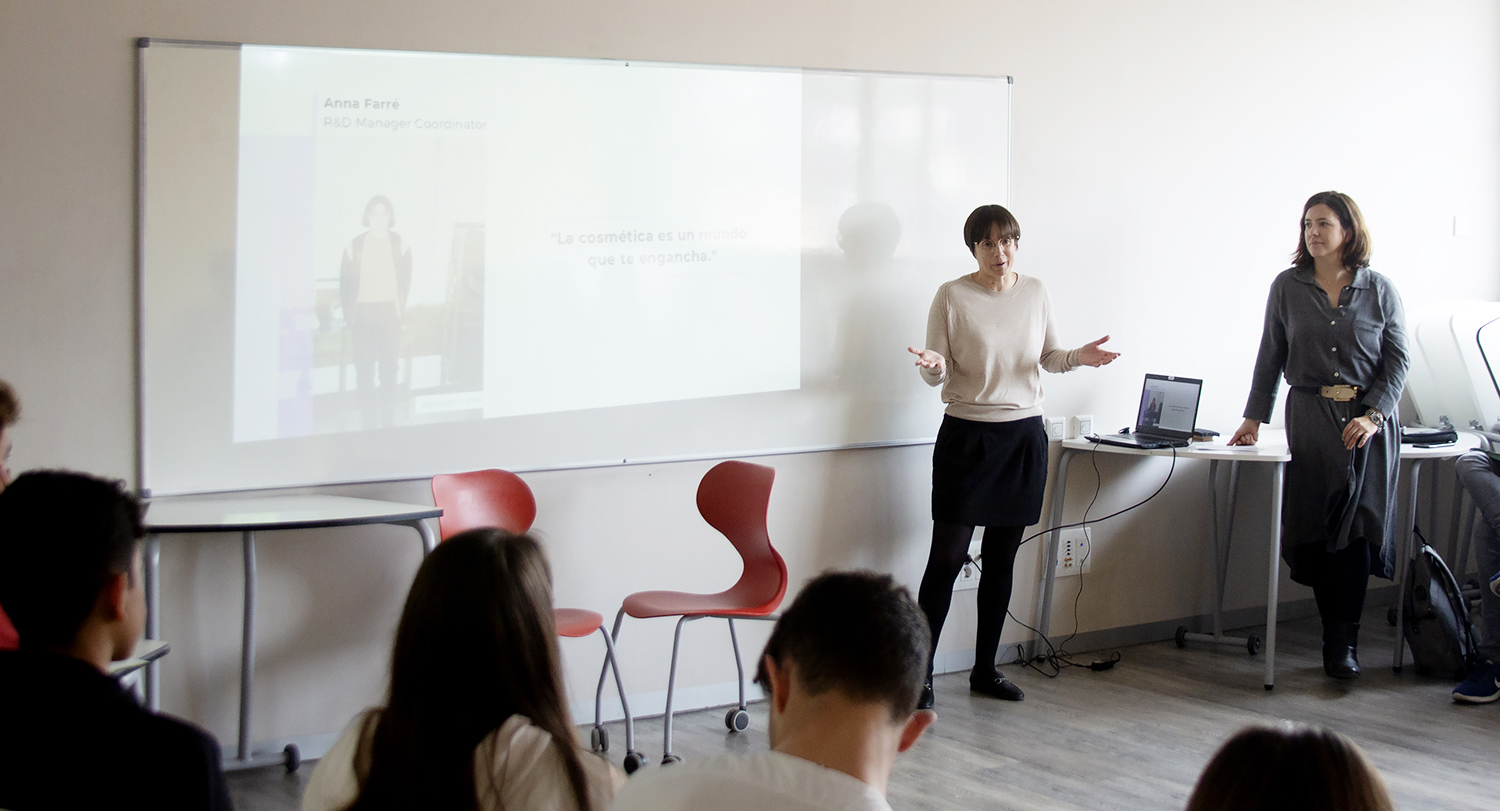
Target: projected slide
[[425, 238]]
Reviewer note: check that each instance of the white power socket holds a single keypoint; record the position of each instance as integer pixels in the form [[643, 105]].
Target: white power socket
[[968, 576], [1073, 553], [1055, 428], [1083, 425]]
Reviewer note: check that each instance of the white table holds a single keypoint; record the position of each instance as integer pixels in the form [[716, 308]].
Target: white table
[[247, 516], [1413, 459], [1272, 450]]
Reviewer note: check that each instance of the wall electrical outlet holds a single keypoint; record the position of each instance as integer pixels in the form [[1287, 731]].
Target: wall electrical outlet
[[1073, 553], [1083, 425], [1055, 428], [968, 578]]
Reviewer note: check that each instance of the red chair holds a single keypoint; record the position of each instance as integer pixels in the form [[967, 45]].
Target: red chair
[[9, 639], [732, 498], [499, 498]]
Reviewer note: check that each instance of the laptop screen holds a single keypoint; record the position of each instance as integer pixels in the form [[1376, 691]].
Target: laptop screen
[[1169, 405]]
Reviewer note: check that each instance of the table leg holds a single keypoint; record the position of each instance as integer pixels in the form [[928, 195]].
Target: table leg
[[1404, 552], [1231, 503], [1273, 584], [1223, 534], [247, 646], [153, 619], [429, 540], [1049, 554]]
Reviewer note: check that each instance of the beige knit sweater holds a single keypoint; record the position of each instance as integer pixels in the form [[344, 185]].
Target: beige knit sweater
[[995, 345]]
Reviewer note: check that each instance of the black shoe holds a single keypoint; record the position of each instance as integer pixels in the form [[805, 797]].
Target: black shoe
[[995, 685], [927, 699], [1341, 651]]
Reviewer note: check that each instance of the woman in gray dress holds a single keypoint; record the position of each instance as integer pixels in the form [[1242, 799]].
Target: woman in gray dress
[[1336, 330]]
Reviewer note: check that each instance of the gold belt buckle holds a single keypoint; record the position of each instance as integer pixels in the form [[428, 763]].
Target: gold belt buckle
[[1339, 394]]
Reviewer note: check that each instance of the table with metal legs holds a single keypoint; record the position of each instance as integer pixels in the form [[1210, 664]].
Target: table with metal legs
[[1271, 450], [247, 516]]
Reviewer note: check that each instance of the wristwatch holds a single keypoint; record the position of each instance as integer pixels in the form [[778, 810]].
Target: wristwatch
[[1374, 415]]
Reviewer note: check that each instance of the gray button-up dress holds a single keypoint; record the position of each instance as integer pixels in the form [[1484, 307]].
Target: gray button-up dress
[[1333, 494]]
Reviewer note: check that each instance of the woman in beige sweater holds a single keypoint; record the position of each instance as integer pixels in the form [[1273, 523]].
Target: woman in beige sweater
[[989, 335], [476, 717]]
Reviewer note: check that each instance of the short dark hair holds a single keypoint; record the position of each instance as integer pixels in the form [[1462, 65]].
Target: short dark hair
[[1356, 248], [382, 200], [10, 407], [1289, 766], [984, 219], [62, 536], [860, 633]]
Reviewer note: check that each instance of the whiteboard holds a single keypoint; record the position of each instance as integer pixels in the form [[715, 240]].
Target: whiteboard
[[577, 262]]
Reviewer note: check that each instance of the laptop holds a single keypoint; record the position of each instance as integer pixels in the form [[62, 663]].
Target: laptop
[[1167, 416]]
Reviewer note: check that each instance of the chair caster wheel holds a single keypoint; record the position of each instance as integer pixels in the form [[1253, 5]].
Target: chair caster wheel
[[633, 762], [292, 758], [1390, 616], [737, 720], [1253, 644], [667, 760], [1181, 636], [599, 740]]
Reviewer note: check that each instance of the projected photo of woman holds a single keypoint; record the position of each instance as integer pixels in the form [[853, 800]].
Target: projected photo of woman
[[374, 280]]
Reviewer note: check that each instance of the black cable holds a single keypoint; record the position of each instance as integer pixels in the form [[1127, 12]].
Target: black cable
[[1057, 657]]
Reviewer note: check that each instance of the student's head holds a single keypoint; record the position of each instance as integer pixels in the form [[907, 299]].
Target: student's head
[[1333, 219], [70, 558], [990, 223], [379, 213], [476, 644], [856, 637], [10, 411], [1289, 767]]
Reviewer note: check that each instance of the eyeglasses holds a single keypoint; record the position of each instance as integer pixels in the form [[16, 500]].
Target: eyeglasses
[[992, 246]]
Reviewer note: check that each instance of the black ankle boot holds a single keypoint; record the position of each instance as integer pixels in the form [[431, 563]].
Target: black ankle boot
[[1340, 651], [926, 700]]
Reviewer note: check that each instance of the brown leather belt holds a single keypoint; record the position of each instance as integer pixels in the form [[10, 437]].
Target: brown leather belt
[[1338, 394]]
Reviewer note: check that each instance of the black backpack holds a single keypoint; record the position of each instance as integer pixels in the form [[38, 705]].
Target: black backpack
[[1437, 618]]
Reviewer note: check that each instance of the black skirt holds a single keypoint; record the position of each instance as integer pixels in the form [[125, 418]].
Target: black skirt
[[989, 474]]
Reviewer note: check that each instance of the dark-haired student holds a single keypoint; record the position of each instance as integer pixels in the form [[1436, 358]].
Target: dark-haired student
[[1337, 331], [71, 736], [1289, 767], [989, 336], [843, 668], [476, 716]]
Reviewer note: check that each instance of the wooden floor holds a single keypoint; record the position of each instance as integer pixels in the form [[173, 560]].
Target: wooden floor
[[1135, 737]]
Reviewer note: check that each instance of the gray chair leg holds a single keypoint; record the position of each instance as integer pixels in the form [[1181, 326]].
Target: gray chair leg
[[666, 740]]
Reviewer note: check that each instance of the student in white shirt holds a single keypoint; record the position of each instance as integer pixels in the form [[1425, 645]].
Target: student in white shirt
[[476, 717], [843, 668]]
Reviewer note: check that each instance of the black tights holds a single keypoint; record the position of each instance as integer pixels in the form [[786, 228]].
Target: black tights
[[1339, 582], [950, 547]]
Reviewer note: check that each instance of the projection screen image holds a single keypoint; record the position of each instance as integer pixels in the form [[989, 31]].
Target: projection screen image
[[416, 233], [366, 265]]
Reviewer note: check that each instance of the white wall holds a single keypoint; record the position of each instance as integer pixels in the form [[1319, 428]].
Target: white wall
[[1160, 147]]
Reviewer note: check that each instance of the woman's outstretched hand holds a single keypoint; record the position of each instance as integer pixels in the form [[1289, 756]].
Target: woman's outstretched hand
[[1248, 433], [1093, 355], [928, 359]]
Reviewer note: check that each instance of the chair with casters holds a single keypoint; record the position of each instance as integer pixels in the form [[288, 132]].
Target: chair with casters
[[500, 499], [732, 497]]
